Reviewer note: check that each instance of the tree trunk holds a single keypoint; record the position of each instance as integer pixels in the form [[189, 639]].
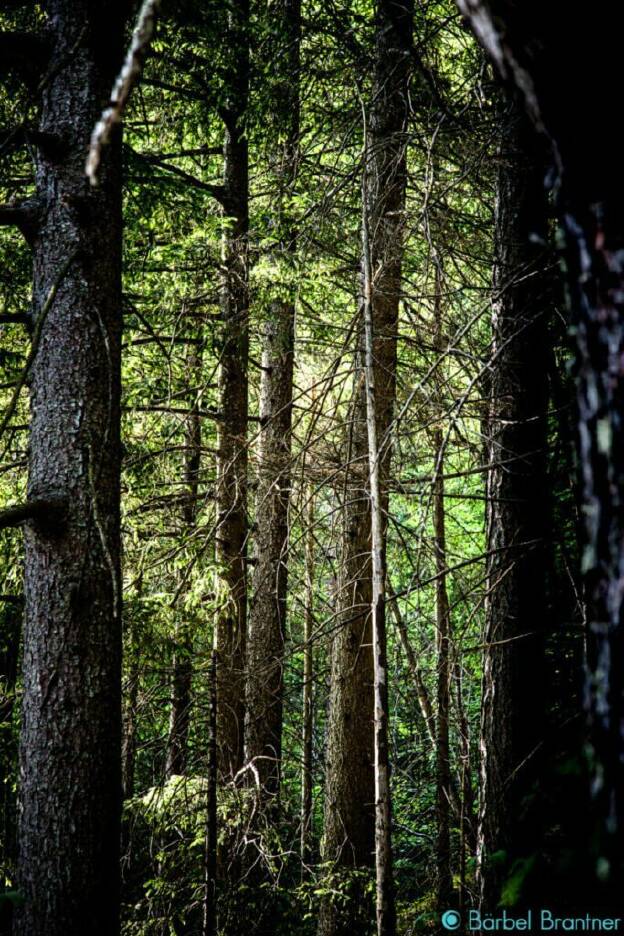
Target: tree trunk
[[566, 69], [267, 619], [513, 705], [385, 907], [11, 613], [232, 529], [462, 804], [209, 923], [181, 683], [444, 882], [129, 721], [308, 690], [349, 824], [69, 829], [443, 636], [465, 817]]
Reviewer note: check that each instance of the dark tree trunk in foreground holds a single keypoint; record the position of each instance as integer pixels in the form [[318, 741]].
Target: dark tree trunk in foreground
[[567, 69], [513, 707], [349, 827], [70, 784], [267, 618], [232, 529], [11, 613]]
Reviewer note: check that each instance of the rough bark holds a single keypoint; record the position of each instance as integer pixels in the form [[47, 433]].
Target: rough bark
[[70, 784], [349, 822], [513, 705], [232, 529], [267, 618], [11, 612], [566, 69], [384, 881]]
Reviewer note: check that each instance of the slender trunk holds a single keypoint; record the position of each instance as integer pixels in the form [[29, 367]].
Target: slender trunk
[[443, 636], [209, 927], [513, 706], [385, 908], [353, 735], [69, 829], [232, 530], [267, 619], [460, 803], [128, 746], [181, 683], [424, 702], [466, 827], [308, 696], [444, 881]]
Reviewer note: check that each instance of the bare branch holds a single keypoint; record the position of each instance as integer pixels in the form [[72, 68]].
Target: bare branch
[[24, 215], [46, 509], [25, 55], [126, 80]]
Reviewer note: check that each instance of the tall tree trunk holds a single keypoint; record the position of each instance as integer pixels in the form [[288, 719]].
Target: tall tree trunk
[[349, 825], [69, 829], [385, 907], [462, 804], [566, 69], [129, 720], [443, 636], [308, 690], [466, 827], [181, 683], [232, 530], [267, 619], [209, 922], [513, 705], [444, 881], [11, 613]]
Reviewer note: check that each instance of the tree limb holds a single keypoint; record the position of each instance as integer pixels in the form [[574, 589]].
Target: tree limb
[[126, 80], [24, 215], [14, 318], [42, 509], [25, 55]]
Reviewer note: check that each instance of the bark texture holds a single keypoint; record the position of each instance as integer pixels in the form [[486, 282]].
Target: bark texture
[[69, 827], [11, 613], [349, 825], [565, 69], [267, 619], [513, 703], [232, 529]]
